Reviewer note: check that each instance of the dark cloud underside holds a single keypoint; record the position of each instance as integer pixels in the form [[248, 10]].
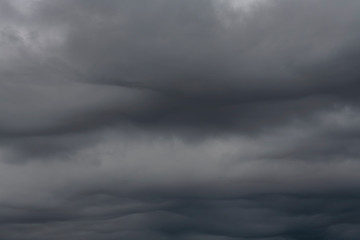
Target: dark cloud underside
[[159, 119]]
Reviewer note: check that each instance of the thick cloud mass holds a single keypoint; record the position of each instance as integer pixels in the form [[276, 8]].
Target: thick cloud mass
[[186, 120]]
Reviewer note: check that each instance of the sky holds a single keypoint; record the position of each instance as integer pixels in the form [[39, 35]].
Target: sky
[[179, 120]]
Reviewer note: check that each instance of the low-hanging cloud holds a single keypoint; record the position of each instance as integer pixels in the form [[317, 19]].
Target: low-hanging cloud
[[180, 120]]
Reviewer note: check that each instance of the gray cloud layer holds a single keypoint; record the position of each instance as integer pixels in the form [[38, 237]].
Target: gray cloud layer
[[187, 119]]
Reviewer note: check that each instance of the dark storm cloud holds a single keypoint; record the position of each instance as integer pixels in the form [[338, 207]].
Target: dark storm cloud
[[184, 52], [270, 217], [185, 120], [197, 64]]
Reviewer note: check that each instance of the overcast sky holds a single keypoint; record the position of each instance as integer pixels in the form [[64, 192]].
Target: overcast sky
[[179, 119]]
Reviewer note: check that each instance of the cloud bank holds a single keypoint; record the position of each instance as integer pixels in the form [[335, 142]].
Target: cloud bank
[[187, 119]]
